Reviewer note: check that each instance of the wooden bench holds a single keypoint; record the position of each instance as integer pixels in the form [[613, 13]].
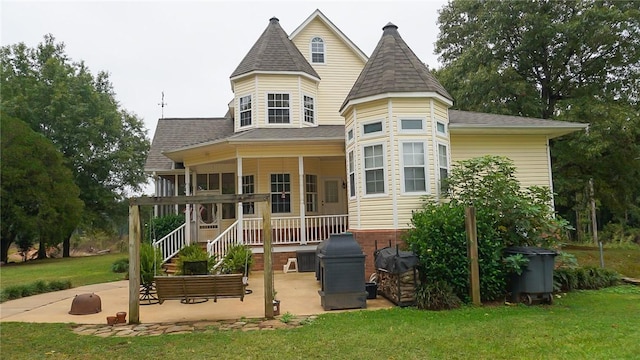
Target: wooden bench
[[190, 287]]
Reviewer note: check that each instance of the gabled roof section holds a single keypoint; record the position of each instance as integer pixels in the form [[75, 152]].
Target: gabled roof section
[[473, 122], [274, 52], [175, 133], [321, 132], [394, 68], [319, 15]]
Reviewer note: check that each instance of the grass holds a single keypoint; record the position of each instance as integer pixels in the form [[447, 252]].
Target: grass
[[584, 324], [84, 270], [625, 261]]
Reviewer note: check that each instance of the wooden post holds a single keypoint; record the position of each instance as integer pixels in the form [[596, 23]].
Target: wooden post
[[472, 251], [134, 264], [268, 265]]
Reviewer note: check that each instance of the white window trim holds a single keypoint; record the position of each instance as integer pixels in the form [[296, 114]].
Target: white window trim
[[317, 210], [266, 111], [346, 135], [255, 186], [363, 181], [315, 110], [383, 132], [351, 169], [438, 167], [435, 128], [290, 194], [413, 131], [253, 118], [425, 166], [324, 53]]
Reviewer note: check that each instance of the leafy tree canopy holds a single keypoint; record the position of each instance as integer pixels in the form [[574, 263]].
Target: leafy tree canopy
[[104, 145]]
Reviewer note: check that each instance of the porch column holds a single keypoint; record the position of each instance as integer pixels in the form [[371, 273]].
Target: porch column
[[176, 191], [187, 209], [157, 191], [303, 225], [239, 212]]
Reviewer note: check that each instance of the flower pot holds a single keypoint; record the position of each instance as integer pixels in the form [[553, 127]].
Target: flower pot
[[121, 317], [112, 320], [276, 307]]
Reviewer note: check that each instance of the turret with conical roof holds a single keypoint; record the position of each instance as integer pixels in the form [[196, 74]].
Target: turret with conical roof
[[274, 52], [394, 68]]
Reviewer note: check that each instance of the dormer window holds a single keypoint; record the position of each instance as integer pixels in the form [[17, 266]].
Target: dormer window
[[278, 108], [245, 111], [317, 50]]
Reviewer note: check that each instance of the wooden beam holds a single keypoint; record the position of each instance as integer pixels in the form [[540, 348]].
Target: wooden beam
[[198, 199], [134, 264], [268, 263], [472, 251]]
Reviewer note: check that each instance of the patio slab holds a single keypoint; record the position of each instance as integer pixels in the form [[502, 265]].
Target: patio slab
[[297, 292]]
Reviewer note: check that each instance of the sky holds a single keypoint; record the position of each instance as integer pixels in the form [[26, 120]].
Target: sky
[[188, 49]]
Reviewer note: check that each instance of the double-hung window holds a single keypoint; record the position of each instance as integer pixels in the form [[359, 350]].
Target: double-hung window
[[311, 189], [245, 110], [280, 193], [352, 175], [278, 108], [443, 166], [248, 187], [317, 50], [374, 169], [309, 110], [414, 167]]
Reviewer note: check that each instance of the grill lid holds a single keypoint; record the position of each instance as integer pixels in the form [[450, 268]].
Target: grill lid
[[340, 245]]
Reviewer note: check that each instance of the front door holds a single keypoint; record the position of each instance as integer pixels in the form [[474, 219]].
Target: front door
[[333, 196]]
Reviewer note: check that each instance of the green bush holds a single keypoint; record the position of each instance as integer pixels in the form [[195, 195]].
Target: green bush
[[436, 296], [150, 263], [38, 287], [160, 227], [584, 278], [239, 259], [120, 265]]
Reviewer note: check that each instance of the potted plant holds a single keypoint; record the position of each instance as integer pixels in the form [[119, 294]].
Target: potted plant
[[238, 260], [276, 304], [194, 260]]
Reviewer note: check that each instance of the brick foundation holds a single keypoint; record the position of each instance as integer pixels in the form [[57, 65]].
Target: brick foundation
[[367, 240], [279, 260]]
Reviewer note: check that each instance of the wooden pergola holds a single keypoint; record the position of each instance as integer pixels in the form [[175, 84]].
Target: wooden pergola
[[135, 237]]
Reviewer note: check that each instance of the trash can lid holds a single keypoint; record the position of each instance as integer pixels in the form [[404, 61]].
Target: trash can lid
[[529, 250]]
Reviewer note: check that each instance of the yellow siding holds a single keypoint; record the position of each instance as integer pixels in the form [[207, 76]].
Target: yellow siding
[[339, 72], [377, 213], [244, 87], [528, 152], [441, 110]]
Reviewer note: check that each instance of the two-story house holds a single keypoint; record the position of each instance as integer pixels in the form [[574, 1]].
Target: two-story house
[[341, 141]]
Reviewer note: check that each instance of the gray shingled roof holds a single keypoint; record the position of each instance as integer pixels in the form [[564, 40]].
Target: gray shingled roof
[[274, 52], [322, 132], [176, 133], [466, 119], [394, 67]]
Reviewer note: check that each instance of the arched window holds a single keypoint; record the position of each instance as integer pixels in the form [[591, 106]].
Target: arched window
[[317, 50]]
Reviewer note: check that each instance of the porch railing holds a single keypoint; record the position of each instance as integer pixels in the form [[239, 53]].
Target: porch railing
[[287, 230], [171, 243], [220, 245]]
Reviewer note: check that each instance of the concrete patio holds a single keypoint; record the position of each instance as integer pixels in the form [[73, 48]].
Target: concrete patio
[[297, 292]]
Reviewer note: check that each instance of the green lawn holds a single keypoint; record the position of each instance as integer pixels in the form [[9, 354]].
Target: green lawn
[[625, 261], [84, 270], [581, 325]]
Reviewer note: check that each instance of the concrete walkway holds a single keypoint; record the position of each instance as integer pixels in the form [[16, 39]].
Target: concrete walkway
[[297, 292]]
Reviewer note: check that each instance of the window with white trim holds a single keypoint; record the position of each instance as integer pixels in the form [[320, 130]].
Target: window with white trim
[[278, 109], [311, 190], [248, 187], [245, 111], [374, 169], [372, 128], [352, 175], [441, 128], [349, 135], [414, 170], [443, 166], [280, 193], [317, 50], [411, 125], [309, 112]]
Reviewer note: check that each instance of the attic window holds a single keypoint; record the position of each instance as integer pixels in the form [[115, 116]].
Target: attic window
[[317, 50]]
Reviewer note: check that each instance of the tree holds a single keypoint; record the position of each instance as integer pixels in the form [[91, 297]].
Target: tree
[[568, 60], [40, 201], [104, 145]]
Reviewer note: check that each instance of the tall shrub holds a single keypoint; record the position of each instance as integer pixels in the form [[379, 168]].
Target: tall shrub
[[160, 227]]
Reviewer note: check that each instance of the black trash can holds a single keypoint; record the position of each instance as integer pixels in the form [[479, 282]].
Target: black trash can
[[535, 284], [372, 290]]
